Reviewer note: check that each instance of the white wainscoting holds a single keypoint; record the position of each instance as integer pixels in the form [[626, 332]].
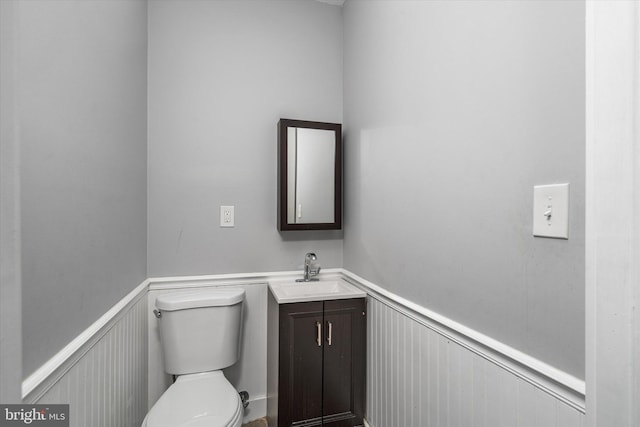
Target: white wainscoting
[[417, 377], [102, 374], [423, 370]]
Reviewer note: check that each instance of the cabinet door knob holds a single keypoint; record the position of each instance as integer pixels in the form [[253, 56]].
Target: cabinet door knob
[[319, 336], [330, 325]]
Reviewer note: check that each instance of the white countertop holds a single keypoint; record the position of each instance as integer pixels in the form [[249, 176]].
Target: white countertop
[[325, 289]]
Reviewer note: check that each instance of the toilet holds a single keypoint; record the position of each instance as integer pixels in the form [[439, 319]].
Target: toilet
[[200, 336]]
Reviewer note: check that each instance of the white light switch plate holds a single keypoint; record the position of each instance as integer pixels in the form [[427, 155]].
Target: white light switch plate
[[551, 211]]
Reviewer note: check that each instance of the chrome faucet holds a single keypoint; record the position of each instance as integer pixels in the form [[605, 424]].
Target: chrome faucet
[[309, 273]]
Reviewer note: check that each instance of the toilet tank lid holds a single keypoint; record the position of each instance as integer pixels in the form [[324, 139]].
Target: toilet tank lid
[[216, 297]]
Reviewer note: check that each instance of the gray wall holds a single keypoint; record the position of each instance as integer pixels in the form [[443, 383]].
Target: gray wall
[[453, 112], [221, 74], [10, 295], [82, 121]]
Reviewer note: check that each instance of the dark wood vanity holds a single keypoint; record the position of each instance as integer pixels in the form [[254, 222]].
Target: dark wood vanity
[[316, 363]]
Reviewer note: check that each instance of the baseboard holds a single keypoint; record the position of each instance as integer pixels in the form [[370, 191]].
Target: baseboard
[[257, 408], [38, 383]]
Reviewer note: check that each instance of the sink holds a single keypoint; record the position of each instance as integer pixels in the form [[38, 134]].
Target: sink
[[287, 292]]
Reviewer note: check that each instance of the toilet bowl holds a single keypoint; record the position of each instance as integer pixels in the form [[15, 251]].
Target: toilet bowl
[[197, 400], [200, 336]]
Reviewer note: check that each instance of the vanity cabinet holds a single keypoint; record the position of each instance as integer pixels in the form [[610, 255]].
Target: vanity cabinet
[[316, 363]]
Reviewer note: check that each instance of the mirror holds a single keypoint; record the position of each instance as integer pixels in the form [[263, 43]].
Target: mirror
[[309, 175]]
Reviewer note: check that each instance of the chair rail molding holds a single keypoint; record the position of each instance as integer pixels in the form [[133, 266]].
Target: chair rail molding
[[38, 383], [557, 383], [501, 366]]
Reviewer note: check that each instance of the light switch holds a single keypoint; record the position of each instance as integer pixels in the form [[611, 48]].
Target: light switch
[[551, 211]]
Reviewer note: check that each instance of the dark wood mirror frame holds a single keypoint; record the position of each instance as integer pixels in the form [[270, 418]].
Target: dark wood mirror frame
[[283, 224]]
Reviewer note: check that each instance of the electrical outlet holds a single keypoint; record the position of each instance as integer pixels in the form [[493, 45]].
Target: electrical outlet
[[227, 216]]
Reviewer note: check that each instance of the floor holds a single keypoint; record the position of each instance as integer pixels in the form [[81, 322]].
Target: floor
[[262, 422]]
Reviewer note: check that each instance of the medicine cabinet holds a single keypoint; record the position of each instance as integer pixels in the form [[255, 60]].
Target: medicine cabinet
[[309, 175]]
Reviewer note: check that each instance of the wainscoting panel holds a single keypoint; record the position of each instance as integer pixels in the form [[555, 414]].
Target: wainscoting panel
[[106, 384], [417, 377], [423, 370]]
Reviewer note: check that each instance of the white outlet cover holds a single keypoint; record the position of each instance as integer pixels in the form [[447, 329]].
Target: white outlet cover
[[227, 217], [551, 211]]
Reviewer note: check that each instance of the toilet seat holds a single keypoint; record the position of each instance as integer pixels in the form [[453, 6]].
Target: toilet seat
[[197, 400]]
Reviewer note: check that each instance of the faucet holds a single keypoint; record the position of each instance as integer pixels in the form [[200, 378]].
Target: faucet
[[309, 273]]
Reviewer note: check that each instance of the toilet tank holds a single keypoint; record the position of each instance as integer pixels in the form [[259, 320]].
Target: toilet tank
[[200, 330]]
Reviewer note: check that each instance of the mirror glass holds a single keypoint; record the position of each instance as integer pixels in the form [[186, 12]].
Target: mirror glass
[[311, 166], [309, 175]]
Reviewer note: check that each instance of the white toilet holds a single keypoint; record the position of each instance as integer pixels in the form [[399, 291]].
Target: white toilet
[[200, 335]]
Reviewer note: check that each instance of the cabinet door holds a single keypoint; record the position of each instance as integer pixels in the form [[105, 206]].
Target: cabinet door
[[300, 364], [344, 363]]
